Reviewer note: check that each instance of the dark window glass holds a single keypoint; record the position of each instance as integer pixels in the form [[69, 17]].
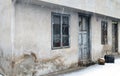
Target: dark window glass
[[65, 20], [104, 26], [56, 31], [65, 31], [56, 19], [65, 41], [60, 30]]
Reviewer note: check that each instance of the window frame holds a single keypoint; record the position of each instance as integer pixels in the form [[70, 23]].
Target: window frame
[[103, 23], [61, 24]]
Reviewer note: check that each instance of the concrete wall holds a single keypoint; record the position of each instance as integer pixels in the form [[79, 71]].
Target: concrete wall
[[33, 35], [25, 42], [96, 46], [5, 23], [105, 7], [6, 12]]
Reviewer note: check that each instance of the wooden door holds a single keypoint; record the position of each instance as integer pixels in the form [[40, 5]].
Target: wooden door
[[84, 50]]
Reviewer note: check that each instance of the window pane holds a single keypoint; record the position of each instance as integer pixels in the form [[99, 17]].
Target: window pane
[[56, 31], [84, 24], [56, 41], [80, 23], [56, 19], [65, 20], [65, 31], [65, 41], [104, 39], [65, 25]]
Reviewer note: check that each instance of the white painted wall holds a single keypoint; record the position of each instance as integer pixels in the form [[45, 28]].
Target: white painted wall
[[6, 11], [95, 38], [97, 47], [33, 33], [33, 29], [105, 7], [5, 25]]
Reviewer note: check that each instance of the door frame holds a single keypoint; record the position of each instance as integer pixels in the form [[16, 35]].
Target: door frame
[[89, 35]]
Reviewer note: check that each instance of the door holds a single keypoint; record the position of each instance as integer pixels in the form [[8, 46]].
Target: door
[[115, 36], [84, 48]]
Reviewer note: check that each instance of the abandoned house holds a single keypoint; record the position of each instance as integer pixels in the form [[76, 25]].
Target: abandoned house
[[38, 37]]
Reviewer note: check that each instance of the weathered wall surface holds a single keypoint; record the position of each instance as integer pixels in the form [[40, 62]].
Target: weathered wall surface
[[33, 38], [96, 46], [5, 36], [28, 39], [5, 25], [105, 7]]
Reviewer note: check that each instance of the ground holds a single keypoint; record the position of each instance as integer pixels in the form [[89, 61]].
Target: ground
[[109, 69], [0, 75]]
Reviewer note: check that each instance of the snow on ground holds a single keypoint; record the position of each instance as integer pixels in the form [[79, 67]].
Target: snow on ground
[[1, 75], [109, 69]]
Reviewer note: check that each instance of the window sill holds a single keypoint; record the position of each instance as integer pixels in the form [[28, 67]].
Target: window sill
[[65, 47]]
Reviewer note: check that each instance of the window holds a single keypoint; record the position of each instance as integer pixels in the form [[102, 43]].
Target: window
[[104, 26], [60, 30]]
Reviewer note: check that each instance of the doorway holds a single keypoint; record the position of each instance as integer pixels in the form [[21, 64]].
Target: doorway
[[84, 42], [115, 36]]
